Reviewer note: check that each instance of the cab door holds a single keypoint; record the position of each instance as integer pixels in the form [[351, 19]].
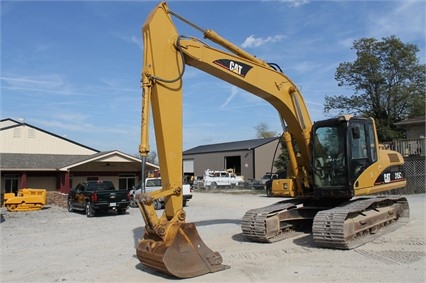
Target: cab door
[[363, 146]]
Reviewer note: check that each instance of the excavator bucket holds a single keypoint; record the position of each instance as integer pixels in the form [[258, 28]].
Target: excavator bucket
[[184, 255]]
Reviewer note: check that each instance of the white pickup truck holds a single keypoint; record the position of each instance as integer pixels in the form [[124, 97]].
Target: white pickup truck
[[213, 178], [154, 184]]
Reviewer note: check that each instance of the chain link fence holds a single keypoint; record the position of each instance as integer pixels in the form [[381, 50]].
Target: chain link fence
[[415, 175]]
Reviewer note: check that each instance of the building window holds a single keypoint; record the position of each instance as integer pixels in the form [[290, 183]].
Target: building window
[[126, 181], [11, 183]]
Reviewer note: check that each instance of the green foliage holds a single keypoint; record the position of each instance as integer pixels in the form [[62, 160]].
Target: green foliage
[[151, 158], [281, 162], [388, 83], [263, 131]]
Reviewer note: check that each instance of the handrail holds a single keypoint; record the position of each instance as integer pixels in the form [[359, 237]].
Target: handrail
[[407, 147]]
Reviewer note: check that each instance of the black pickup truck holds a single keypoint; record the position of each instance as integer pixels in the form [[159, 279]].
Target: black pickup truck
[[93, 196]]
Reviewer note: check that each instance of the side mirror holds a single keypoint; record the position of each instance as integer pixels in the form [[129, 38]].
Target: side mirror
[[355, 133]]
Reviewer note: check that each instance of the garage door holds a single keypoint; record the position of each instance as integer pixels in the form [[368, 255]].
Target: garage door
[[188, 166]]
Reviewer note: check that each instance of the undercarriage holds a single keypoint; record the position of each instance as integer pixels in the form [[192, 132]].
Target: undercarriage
[[345, 226]]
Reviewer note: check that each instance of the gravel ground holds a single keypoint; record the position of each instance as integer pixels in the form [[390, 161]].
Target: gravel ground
[[53, 245]]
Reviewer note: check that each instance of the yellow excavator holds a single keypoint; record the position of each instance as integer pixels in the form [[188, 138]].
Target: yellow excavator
[[331, 162]]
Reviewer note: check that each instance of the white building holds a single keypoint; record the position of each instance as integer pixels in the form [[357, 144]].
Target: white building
[[31, 157]]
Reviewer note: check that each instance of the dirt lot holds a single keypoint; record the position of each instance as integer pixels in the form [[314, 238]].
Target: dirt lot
[[53, 245]]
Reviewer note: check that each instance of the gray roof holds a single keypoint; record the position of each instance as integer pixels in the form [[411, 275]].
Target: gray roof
[[38, 161], [229, 146], [411, 121], [51, 162]]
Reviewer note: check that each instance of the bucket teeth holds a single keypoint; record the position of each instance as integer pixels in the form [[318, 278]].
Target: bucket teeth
[[214, 258], [183, 255]]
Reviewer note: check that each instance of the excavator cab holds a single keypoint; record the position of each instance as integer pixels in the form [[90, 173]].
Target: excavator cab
[[343, 148]]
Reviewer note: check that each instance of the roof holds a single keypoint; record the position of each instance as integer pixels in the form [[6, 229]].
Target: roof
[[41, 162], [230, 146], [54, 162], [411, 121], [8, 123]]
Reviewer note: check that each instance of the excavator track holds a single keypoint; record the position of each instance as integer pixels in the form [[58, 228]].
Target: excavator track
[[264, 224], [359, 221]]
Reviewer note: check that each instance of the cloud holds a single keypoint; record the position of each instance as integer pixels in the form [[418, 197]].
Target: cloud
[[59, 84], [291, 3], [54, 83], [346, 42], [77, 123], [252, 41], [296, 3], [137, 40], [133, 39], [234, 92], [405, 18]]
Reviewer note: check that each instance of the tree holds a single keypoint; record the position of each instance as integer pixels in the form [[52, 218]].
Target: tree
[[151, 157], [281, 162], [263, 131], [388, 82]]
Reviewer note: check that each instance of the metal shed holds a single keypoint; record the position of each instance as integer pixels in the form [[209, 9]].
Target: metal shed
[[249, 158]]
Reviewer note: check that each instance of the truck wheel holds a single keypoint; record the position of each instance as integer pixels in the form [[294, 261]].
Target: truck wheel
[[90, 212], [133, 202], [121, 211], [213, 185], [269, 191], [69, 206], [157, 205], [184, 203]]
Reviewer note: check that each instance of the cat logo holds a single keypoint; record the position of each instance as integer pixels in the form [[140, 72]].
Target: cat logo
[[235, 67], [238, 68]]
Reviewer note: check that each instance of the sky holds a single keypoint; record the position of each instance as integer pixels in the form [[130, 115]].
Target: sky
[[73, 67]]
